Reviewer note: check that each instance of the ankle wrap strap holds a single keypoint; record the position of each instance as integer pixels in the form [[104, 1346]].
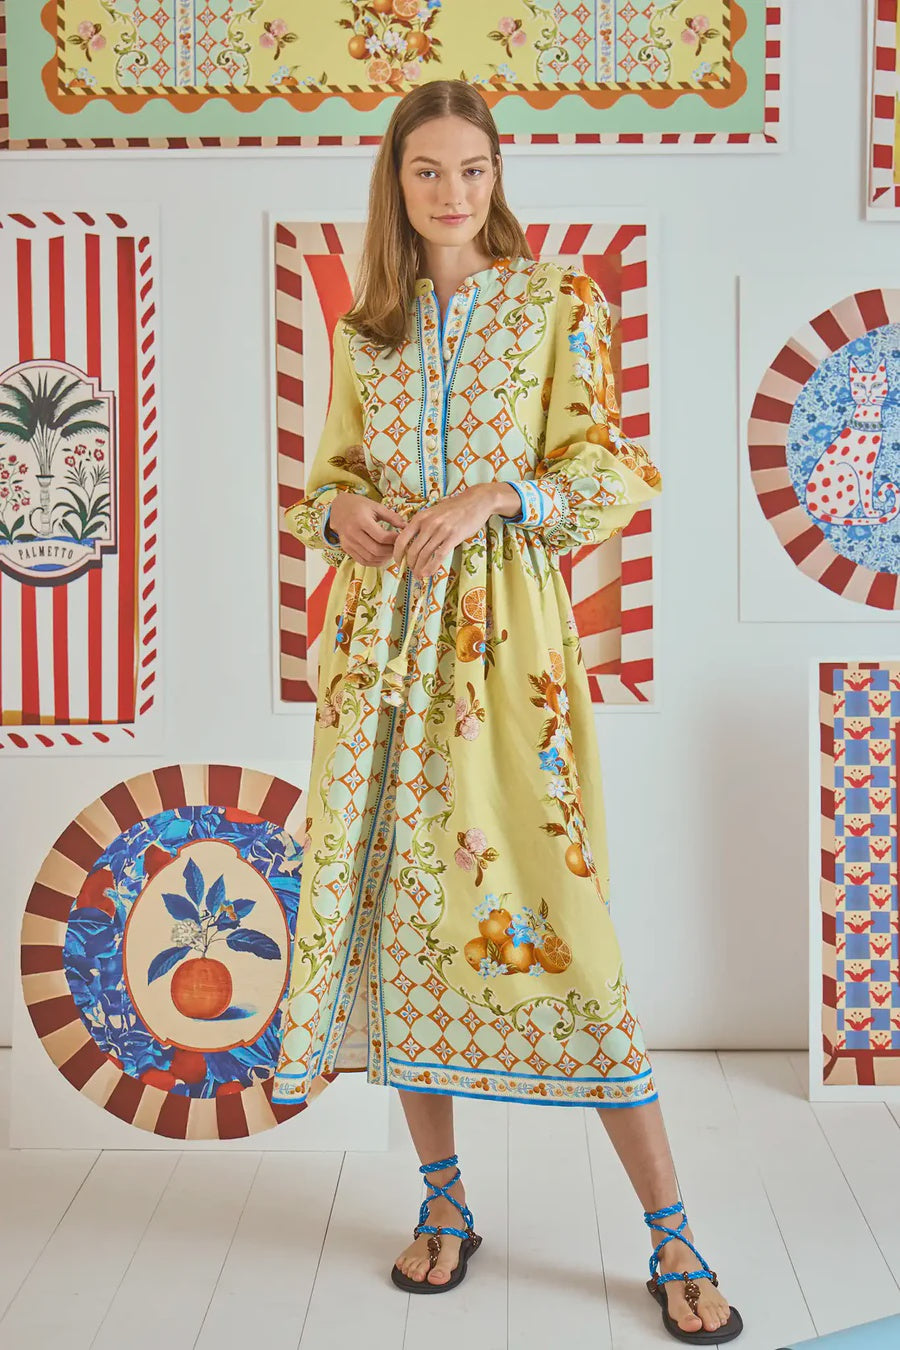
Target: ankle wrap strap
[[650, 1219], [443, 1191], [439, 1166]]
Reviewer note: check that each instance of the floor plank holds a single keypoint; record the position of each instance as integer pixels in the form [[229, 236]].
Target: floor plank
[[67, 1293], [376, 1197], [782, 1195], [838, 1262], [167, 1288], [864, 1138], [276, 1251], [445, 1323], [556, 1287], [727, 1208], [37, 1186]]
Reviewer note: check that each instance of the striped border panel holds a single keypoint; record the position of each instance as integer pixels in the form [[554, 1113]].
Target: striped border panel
[[875, 1065], [117, 259], [766, 136], [53, 1010], [770, 417], [884, 180], [611, 585]]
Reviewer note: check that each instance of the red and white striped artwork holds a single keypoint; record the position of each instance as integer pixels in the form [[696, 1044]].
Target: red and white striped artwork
[[884, 113], [78, 479], [611, 584]]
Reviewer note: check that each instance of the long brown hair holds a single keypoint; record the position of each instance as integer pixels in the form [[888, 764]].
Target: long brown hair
[[391, 256]]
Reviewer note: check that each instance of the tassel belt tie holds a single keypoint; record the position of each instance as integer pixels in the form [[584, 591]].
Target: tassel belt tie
[[363, 667]]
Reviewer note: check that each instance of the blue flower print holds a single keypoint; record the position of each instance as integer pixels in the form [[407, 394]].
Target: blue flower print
[[489, 970], [521, 931], [489, 903], [551, 761], [578, 343]]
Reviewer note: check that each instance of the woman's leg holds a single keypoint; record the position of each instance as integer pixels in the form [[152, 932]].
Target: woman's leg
[[429, 1116], [638, 1135]]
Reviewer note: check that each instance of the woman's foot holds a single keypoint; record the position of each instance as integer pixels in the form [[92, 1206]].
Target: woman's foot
[[713, 1310], [413, 1260]]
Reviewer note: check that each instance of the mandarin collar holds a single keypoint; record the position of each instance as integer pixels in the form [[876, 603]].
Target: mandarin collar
[[488, 279]]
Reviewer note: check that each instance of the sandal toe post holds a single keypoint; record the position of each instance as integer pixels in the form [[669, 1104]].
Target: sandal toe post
[[731, 1329], [470, 1240]]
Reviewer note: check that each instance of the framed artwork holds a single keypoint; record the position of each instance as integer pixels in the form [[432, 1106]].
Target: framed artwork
[[207, 74], [611, 585], [855, 920], [821, 479], [78, 479], [156, 946], [883, 198]]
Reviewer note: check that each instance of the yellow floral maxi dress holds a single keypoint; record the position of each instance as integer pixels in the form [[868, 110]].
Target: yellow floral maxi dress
[[454, 932]]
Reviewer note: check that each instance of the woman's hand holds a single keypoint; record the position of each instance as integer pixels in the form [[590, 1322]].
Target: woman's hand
[[357, 522], [434, 532]]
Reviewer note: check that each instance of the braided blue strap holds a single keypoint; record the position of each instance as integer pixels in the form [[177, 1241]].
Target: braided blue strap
[[468, 1218], [649, 1218]]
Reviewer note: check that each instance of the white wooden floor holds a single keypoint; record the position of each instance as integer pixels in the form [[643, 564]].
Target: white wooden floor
[[795, 1205]]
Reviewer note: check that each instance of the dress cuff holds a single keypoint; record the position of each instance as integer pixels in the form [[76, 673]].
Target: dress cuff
[[328, 534], [536, 504]]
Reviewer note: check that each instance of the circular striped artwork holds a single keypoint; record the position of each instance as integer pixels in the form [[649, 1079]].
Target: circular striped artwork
[[156, 945], [824, 438]]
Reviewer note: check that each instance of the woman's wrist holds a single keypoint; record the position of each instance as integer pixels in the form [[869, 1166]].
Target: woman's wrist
[[501, 499]]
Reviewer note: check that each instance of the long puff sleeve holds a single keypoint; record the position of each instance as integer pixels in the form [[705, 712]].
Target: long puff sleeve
[[339, 464], [589, 480]]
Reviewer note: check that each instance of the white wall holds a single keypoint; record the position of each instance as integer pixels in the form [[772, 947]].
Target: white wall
[[707, 796]]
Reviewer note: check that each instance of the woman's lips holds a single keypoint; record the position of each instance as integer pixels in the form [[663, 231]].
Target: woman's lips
[[452, 220]]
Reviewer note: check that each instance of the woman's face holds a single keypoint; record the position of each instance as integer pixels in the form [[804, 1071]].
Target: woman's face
[[446, 177]]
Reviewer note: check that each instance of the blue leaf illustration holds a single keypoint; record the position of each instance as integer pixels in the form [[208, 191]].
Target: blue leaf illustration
[[258, 944], [230, 1014], [242, 907], [215, 897], [165, 961], [181, 908], [193, 879]]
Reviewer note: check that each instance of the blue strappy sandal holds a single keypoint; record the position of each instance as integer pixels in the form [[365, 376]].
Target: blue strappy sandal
[[732, 1328], [470, 1239]]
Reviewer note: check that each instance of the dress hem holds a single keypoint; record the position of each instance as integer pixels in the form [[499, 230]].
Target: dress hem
[[457, 1087]]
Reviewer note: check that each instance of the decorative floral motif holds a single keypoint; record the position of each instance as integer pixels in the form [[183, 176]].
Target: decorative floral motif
[[556, 756], [474, 853], [395, 38], [88, 39], [515, 944], [469, 715], [698, 31]]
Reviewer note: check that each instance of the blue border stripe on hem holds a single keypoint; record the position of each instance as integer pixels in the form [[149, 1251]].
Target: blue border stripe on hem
[[538, 1077], [537, 1100]]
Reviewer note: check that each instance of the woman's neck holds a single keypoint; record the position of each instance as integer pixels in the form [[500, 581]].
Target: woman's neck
[[449, 267]]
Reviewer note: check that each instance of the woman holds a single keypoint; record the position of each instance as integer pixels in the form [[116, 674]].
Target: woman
[[454, 934]]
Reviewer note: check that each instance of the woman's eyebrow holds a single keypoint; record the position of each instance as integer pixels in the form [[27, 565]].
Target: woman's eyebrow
[[425, 159]]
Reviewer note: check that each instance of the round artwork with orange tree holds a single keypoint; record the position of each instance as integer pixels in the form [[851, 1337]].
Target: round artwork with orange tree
[[174, 901]]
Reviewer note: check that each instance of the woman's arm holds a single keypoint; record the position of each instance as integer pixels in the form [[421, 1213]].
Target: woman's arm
[[339, 464], [590, 480]]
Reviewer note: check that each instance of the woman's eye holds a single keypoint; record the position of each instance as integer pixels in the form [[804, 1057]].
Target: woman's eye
[[469, 170]]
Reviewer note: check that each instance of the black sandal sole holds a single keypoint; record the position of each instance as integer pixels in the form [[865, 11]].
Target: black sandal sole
[[732, 1328], [467, 1249]]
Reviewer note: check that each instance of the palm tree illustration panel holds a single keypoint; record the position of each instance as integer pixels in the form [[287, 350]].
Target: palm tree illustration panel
[[78, 479]]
